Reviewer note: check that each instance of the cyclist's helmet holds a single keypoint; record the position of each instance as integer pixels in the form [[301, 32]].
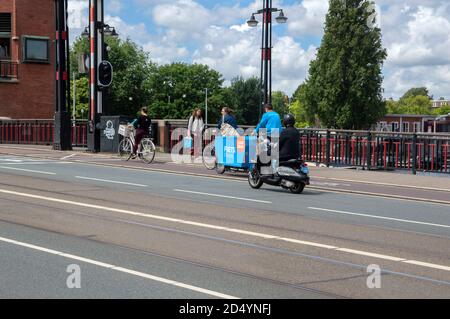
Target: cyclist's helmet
[[289, 120]]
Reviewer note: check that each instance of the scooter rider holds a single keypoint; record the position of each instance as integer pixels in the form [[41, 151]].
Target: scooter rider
[[289, 140]]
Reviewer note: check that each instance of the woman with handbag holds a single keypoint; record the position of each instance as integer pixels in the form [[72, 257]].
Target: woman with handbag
[[195, 131]]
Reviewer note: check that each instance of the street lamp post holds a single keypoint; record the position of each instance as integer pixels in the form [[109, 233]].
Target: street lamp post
[[266, 48], [206, 106]]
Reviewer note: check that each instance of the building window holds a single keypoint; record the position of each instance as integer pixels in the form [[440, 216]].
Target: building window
[[406, 127], [382, 126], [36, 49], [417, 127], [394, 126], [5, 36]]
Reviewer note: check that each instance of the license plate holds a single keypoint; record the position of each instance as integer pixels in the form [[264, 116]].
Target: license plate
[[305, 170]]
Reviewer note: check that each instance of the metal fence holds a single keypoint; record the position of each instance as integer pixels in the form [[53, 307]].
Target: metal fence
[[377, 150], [368, 150], [38, 132]]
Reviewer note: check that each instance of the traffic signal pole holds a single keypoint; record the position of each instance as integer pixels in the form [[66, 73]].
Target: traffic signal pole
[[96, 16], [62, 134]]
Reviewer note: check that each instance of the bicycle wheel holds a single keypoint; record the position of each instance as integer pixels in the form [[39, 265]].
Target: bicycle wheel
[[209, 157], [125, 149], [148, 150]]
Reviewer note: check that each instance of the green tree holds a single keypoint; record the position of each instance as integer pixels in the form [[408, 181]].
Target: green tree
[[344, 83], [244, 99], [280, 103], [413, 92], [132, 67], [81, 97], [444, 110], [177, 89], [298, 109], [417, 105]]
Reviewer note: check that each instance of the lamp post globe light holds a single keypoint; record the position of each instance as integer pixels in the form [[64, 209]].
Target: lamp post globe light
[[266, 48]]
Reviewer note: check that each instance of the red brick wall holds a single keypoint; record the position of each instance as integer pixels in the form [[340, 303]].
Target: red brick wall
[[33, 96]]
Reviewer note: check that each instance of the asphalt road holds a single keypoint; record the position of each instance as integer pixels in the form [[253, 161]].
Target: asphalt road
[[150, 234]]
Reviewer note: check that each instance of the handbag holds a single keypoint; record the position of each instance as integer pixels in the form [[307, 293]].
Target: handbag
[[188, 142]]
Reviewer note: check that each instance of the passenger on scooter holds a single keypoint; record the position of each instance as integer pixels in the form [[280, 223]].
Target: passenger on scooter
[[270, 121], [289, 140]]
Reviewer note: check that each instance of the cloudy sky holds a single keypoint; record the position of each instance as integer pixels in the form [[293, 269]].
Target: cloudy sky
[[415, 33]]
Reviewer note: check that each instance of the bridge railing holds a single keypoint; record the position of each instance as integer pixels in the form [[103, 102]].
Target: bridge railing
[[369, 149], [38, 132], [414, 152], [377, 150]]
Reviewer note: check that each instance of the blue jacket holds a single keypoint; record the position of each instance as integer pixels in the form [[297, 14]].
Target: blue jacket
[[228, 119], [270, 121]]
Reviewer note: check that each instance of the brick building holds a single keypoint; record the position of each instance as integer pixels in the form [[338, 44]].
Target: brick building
[[407, 123], [27, 51]]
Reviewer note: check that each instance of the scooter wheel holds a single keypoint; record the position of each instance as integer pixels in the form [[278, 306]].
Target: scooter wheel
[[220, 169], [298, 188], [254, 179]]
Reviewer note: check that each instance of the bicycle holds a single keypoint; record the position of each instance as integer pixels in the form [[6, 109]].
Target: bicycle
[[147, 147], [209, 157]]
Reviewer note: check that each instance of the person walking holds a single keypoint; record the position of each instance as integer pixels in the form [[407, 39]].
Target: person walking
[[195, 130]]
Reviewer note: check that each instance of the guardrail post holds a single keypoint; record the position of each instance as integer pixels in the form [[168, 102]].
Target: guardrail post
[[369, 150], [414, 154], [167, 137], [328, 150]]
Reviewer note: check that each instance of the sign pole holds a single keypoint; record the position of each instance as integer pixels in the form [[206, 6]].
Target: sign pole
[[96, 55], [62, 136]]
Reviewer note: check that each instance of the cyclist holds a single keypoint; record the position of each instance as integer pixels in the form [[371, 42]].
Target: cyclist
[[142, 126], [227, 118]]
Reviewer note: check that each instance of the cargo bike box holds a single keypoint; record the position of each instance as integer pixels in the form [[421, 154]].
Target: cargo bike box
[[235, 152]]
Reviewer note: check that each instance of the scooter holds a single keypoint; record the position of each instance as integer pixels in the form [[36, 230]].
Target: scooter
[[292, 175]]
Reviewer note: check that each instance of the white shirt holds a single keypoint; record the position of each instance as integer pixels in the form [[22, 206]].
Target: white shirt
[[196, 125]]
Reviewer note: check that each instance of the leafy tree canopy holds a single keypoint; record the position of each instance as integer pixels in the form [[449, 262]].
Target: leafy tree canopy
[[344, 87]]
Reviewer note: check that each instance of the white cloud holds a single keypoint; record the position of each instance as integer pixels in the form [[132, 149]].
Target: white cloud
[[415, 33], [307, 17], [417, 39]]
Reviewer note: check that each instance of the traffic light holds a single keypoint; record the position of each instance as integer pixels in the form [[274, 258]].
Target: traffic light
[[105, 74]]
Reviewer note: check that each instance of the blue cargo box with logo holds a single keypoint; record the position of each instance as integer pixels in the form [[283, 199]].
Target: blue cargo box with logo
[[236, 151]]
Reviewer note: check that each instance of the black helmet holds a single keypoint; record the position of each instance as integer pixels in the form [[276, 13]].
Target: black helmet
[[289, 120]]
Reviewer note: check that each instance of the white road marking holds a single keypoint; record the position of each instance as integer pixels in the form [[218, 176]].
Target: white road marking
[[421, 263], [379, 217], [69, 156], [35, 163], [384, 184], [27, 170], [223, 196], [231, 230], [240, 180], [329, 184], [365, 253], [120, 269], [109, 181]]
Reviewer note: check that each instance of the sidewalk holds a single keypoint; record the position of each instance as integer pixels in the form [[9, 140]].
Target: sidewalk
[[399, 178]]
